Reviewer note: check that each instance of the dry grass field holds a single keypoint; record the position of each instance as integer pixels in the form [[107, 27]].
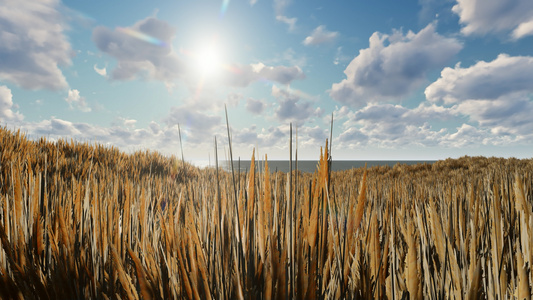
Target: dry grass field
[[80, 221]]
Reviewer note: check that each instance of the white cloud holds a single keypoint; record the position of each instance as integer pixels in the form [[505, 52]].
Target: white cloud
[[484, 16], [253, 2], [524, 29], [244, 75], [233, 99], [390, 126], [142, 50], [255, 106], [289, 21], [54, 127], [75, 99], [496, 95], [247, 135], [154, 127], [129, 123], [320, 36], [466, 135], [351, 138], [6, 106], [277, 138], [126, 138], [279, 10], [196, 125], [312, 137], [272, 137], [164, 139], [101, 72], [393, 125], [508, 115], [33, 44], [291, 107], [393, 66], [503, 76], [342, 112]]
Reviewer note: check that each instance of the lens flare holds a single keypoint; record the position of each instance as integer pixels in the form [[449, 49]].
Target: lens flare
[[224, 8], [142, 36]]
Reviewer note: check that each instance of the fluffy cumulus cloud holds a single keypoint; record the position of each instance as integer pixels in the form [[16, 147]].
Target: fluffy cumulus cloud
[[312, 137], [506, 116], [273, 136], [387, 125], [246, 135], [34, 44], [484, 80], [75, 100], [244, 75], [123, 134], [142, 50], [154, 127], [395, 127], [484, 16], [6, 106], [196, 125], [56, 127], [255, 106], [393, 66], [466, 135], [497, 95], [276, 138], [127, 138], [246, 139], [233, 99], [291, 107], [351, 138], [320, 36]]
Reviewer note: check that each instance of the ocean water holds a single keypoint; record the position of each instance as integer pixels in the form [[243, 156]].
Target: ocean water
[[311, 165]]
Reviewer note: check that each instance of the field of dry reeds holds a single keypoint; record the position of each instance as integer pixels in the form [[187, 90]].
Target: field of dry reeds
[[80, 221]]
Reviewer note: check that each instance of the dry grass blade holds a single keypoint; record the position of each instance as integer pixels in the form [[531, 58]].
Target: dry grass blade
[[412, 272], [523, 289], [147, 291], [131, 292], [88, 221]]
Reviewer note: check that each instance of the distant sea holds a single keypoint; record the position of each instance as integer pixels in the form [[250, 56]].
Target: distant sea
[[311, 165]]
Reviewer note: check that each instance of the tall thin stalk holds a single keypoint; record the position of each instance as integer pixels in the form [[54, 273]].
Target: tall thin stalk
[[220, 232], [239, 240]]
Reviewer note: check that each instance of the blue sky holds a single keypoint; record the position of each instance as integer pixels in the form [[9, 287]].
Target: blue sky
[[418, 80]]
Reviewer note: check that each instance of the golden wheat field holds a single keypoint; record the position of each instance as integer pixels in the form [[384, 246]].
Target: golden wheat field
[[80, 221]]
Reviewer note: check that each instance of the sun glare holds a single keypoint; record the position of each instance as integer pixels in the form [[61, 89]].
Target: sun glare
[[208, 60]]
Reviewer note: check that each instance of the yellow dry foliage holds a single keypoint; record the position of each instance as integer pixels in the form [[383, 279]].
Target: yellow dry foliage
[[87, 221]]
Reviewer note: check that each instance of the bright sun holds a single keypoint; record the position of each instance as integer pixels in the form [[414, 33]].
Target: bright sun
[[208, 60]]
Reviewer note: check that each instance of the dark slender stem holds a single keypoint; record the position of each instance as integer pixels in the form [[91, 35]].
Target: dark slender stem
[[220, 232], [181, 144], [239, 242], [291, 216]]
